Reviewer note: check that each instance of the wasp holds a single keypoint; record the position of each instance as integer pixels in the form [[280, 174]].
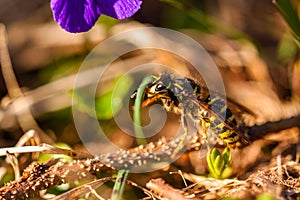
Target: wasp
[[182, 96]]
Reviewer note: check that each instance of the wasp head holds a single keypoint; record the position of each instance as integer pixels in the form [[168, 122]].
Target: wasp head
[[157, 91]]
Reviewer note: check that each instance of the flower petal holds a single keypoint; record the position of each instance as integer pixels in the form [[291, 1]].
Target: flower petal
[[119, 9], [76, 15]]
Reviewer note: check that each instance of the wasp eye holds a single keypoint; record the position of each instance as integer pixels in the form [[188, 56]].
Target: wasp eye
[[159, 87]]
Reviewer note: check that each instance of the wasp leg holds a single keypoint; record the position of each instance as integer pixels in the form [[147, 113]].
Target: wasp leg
[[205, 124], [184, 136]]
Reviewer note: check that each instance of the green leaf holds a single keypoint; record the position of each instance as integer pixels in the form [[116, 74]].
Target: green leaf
[[8, 176], [203, 21], [226, 173], [265, 197], [226, 155], [108, 103], [287, 49], [218, 165], [59, 189], [119, 185], [290, 15], [111, 102], [43, 157], [210, 158], [103, 106], [138, 110], [214, 154], [107, 21]]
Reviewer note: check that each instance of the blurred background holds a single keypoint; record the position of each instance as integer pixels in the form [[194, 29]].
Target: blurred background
[[248, 40]]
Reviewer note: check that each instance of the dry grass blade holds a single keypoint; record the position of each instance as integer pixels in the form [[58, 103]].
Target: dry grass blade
[[83, 190], [25, 119], [164, 190]]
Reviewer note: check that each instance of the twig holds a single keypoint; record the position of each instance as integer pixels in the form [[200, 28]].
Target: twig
[[25, 119], [279, 174], [84, 189], [259, 131], [43, 148], [164, 190], [12, 159], [38, 177]]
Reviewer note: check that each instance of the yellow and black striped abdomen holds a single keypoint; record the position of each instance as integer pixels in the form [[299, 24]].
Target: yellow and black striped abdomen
[[221, 120]]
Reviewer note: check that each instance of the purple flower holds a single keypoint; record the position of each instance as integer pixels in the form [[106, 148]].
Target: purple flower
[[81, 15]]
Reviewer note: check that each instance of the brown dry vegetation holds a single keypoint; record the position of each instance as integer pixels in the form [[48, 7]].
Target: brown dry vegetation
[[254, 78]]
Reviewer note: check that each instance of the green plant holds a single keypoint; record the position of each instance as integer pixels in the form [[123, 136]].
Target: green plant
[[138, 109], [123, 174], [289, 14], [219, 163]]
